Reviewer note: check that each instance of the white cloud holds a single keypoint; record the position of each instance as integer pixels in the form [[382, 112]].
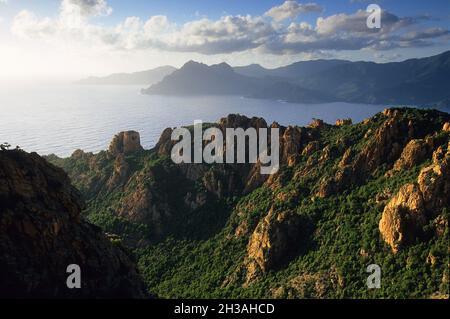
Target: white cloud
[[426, 34], [357, 23], [85, 8], [228, 34], [27, 24], [292, 9]]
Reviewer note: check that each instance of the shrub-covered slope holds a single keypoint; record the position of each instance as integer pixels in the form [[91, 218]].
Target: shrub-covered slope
[[346, 196]]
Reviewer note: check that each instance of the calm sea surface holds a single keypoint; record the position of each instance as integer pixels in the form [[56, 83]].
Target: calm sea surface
[[62, 118]]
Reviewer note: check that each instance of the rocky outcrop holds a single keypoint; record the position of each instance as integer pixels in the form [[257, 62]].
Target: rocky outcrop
[[125, 142], [385, 146], [403, 217], [446, 127], [241, 121], [415, 204], [346, 159], [42, 233], [165, 143], [291, 144], [121, 172], [415, 152], [310, 148], [343, 122], [225, 179], [253, 227], [434, 180], [316, 123], [149, 203], [310, 285], [271, 242]]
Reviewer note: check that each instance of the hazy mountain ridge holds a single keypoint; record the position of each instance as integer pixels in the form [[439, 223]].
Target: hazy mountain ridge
[[414, 81], [422, 81], [291, 71], [221, 79], [200, 79], [147, 77]]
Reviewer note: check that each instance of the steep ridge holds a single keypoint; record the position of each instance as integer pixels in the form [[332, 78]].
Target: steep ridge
[[42, 233]]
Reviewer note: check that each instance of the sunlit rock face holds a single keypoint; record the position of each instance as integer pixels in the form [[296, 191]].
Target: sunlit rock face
[[416, 204], [270, 241]]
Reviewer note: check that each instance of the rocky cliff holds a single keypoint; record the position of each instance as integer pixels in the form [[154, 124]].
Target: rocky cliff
[[416, 204], [346, 196], [42, 232]]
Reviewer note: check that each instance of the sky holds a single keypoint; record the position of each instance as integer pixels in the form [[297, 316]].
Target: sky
[[78, 38]]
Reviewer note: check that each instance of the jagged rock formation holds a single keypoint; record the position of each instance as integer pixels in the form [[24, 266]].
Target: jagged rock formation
[[413, 153], [403, 217], [42, 232], [342, 122], [384, 146], [307, 231], [270, 242], [415, 204], [446, 127], [246, 177], [315, 123], [125, 142]]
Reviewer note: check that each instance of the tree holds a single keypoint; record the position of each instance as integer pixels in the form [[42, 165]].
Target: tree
[[5, 146]]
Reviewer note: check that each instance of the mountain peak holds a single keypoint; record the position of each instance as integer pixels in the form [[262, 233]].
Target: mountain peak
[[192, 63], [222, 67]]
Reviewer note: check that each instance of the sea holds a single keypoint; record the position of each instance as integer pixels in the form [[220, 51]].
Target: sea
[[60, 118]]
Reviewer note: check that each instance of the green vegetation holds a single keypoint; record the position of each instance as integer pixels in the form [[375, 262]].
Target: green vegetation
[[199, 254]]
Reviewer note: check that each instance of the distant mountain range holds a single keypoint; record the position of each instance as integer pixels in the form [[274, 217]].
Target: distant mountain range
[[424, 81], [148, 77], [198, 79], [221, 79], [292, 71], [416, 82]]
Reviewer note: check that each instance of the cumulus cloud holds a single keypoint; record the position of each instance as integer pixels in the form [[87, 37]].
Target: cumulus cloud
[[229, 34], [85, 7], [350, 32], [27, 24], [291, 9], [426, 34], [226, 35]]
